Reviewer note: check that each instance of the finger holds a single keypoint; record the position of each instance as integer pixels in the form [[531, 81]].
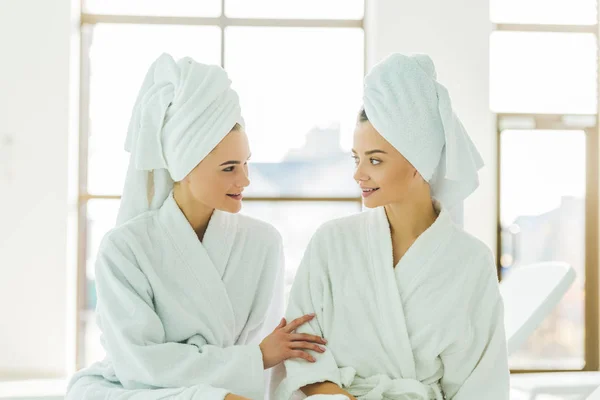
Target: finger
[[307, 345], [292, 326], [301, 354], [305, 337], [281, 324]]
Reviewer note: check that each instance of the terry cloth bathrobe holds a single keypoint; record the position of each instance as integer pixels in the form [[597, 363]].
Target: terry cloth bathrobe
[[430, 327], [181, 319]]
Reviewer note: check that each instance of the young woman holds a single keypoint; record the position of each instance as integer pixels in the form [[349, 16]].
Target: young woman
[[187, 288], [408, 301]]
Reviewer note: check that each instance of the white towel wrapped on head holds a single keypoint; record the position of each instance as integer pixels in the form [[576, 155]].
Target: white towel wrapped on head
[[183, 110], [408, 106]]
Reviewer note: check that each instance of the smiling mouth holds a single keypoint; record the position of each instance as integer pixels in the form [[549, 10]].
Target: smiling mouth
[[367, 192], [236, 196]]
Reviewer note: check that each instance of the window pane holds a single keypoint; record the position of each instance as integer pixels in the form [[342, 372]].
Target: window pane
[[543, 178], [297, 221], [300, 90], [567, 12], [119, 57], [315, 9], [329, 176], [102, 215], [543, 72], [185, 8]]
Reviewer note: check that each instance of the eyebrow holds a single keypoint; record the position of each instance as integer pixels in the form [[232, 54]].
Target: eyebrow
[[232, 162], [368, 153]]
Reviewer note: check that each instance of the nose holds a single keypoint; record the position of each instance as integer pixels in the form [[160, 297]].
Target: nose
[[360, 175], [244, 180]]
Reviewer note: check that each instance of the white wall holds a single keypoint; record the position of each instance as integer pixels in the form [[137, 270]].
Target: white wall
[[35, 45], [456, 35]]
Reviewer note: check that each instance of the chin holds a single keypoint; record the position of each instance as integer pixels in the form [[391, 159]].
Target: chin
[[371, 203], [367, 205], [230, 208]]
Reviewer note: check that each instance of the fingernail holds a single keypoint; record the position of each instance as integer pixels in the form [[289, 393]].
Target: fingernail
[[324, 340], [312, 359], [322, 349], [312, 314]]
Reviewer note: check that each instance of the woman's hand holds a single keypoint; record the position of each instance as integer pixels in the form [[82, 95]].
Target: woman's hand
[[283, 344], [327, 388], [232, 396]]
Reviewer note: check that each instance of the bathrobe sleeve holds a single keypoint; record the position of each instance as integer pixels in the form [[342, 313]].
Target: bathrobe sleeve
[[476, 366], [134, 337], [309, 294], [272, 317]]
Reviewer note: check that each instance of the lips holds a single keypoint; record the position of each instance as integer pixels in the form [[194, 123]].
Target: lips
[[236, 196], [366, 192]]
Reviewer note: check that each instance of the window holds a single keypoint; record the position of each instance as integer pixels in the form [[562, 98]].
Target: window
[[543, 191], [544, 12], [543, 72], [544, 89], [300, 132]]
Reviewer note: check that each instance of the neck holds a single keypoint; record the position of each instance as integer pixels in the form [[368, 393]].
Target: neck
[[197, 214], [411, 218]]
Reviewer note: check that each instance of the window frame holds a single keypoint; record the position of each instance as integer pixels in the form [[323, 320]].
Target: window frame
[[561, 122], [84, 196]]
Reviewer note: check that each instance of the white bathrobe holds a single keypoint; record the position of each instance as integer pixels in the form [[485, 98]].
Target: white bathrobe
[[182, 319], [428, 328]]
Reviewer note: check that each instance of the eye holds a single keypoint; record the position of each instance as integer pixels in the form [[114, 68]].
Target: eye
[[356, 160], [375, 161], [229, 169]]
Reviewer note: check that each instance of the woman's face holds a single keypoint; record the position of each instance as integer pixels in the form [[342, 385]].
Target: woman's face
[[220, 178], [383, 174]]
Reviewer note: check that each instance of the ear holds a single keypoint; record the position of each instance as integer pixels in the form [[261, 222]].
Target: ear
[[417, 177]]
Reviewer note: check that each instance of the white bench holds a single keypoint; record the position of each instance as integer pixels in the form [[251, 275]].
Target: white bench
[[39, 389], [595, 395], [556, 384], [530, 293]]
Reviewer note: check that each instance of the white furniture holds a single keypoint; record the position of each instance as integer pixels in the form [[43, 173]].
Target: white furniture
[[42, 389], [595, 395], [530, 293], [560, 384]]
